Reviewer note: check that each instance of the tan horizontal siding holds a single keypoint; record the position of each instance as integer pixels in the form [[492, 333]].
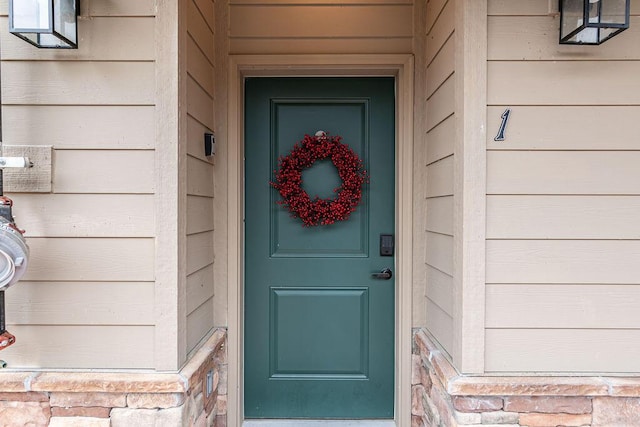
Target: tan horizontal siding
[[440, 289], [440, 31], [122, 8], [559, 217], [199, 95], [375, 27], [536, 38], [517, 7], [440, 140], [322, 46], [199, 177], [563, 350], [199, 323], [199, 214], [440, 178], [440, 215], [442, 66], [588, 127], [81, 347], [563, 261], [199, 103], [564, 306], [324, 21], [563, 172], [418, 288], [91, 259], [441, 104], [562, 244], [78, 83], [434, 9], [113, 171], [85, 215], [80, 127], [200, 30], [205, 8], [199, 67], [563, 83], [199, 251], [108, 8], [101, 40], [532, 8], [440, 325], [90, 278], [195, 138], [439, 57], [440, 252], [81, 303], [199, 287]]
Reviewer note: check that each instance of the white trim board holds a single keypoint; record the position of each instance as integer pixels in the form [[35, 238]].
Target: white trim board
[[398, 66]]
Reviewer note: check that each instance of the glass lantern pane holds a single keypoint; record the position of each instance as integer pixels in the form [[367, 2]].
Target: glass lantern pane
[[31, 14], [614, 12], [572, 16], [65, 19], [50, 40], [30, 37], [594, 11], [587, 36], [606, 33]]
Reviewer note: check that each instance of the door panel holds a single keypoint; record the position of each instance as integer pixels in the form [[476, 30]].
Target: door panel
[[295, 311], [319, 329]]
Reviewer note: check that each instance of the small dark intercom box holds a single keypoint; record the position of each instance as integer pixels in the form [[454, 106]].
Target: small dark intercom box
[[209, 144], [386, 244]]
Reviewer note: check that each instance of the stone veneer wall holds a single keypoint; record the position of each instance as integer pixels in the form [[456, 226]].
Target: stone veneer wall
[[93, 399], [441, 397]]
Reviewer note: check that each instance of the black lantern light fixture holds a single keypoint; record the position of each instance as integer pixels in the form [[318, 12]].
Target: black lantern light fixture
[[45, 23], [592, 21]]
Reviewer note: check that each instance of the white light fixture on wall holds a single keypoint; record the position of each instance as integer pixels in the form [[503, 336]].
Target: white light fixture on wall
[[45, 23], [592, 21]]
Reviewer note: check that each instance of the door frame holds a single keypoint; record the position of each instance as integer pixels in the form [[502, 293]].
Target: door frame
[[243, 66]]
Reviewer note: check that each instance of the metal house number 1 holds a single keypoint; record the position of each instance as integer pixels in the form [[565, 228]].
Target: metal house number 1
[[503, 125]]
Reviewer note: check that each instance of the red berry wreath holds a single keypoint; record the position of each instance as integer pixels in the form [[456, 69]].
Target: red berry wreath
[[288, 180]]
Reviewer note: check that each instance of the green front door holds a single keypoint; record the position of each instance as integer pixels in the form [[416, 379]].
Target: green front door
[[319, 326]]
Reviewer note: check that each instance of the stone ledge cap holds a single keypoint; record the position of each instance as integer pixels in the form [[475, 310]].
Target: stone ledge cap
[[444, 370], [111, 382], [528, 386], [108, 382], [200, 358], [623, 386], [16, 381], [461, 385]]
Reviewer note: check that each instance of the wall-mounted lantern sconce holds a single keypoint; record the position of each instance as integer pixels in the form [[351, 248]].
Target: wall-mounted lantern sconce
[[45, 23], [592, 21]]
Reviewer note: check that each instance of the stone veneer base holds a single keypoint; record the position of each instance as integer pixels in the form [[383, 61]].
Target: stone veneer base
[[120, 399], [441, 397]]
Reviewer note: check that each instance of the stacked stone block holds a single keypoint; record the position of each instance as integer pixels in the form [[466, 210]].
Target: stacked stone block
[[441, 397], [88, 399]]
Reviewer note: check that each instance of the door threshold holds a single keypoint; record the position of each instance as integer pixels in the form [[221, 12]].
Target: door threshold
[[319, 423]]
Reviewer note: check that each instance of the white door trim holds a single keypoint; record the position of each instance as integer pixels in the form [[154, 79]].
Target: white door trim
[[398, 66]]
